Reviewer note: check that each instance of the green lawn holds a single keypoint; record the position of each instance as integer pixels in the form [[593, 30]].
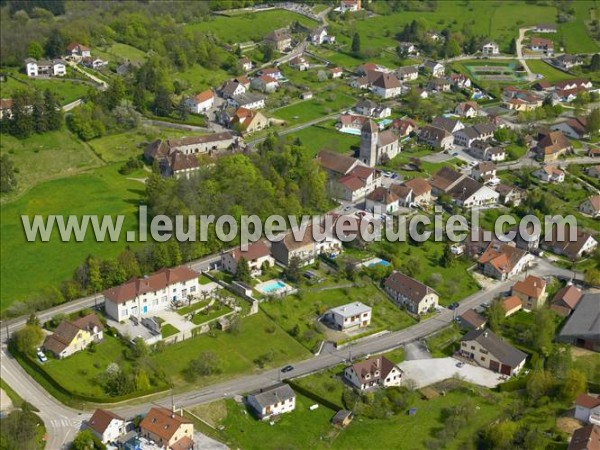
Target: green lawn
[[200, 78], [193, 307], [168, 330], [324, 135], [42, 157], [217, 310], [307, 110], [248, 27], [575, 33], [124, 52], [66, 90], [112, 194], [258, 336], [549, 73], [303, 312]]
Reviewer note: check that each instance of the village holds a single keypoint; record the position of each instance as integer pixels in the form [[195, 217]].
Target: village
[[324, 343]]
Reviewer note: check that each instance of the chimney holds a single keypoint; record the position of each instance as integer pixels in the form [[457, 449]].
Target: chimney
[[485, 334]]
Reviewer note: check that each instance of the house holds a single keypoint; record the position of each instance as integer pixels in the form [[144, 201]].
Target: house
[[377, 146], [106, 425], [303, 245], [575, 128], [550, 174], [436, 137], [448, 124], [407, 73], [248, 100], [585, 438], [543, 45], [372, 69], [510, 195], [231, 88], [73, 336], [307, 95], [480, 132], [490, 48], [387, 86], [319, 36], [201, 102], [249, 120], [483, 150], [374, 372], [272, 401], [178, 165], [403, 127], [492, 352], [526, 103], [52, 68], [299, 63], [583, 327], [485, 172], [265, 83], [573, 83], [6, 108], [245, 64], [256, 255], [421, 190], [573, 247], [531, 291], [587, 409], [410, 293], [146, 296], [567, 62], [551, 145], [434, 68], [565, 300], [467, 109], [409, 48], [503, 261], [369, 108], [591, 206], [280, 39], [542, 85], [382, 201], [349, 6], [336, 72], [209, 143], [348, 317], [342, 418], [545, 28], [351, 122], [464, 190], [439, 85], [471, 319], [78, 51], [349, 179], [459, 80], [511, 305], [168, 429]]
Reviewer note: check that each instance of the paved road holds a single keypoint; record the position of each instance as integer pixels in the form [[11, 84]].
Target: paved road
[[520, 57]]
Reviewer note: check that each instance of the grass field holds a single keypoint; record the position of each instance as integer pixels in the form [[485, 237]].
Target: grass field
[[200, 78], [43, 157], [547, 71], [307, 110], [66, 90], [168, 330], [126, 52], [324, 135], [112, 194], [575, 33], [249, 27]]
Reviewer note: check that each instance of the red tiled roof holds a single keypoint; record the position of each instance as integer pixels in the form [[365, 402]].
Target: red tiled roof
[[531, 286], [101, 419], [162, 422]]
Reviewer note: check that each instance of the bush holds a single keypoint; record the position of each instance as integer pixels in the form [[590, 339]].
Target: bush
[[130, 166]]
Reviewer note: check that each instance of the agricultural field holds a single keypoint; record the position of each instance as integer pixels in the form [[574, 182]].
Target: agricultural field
[[250, 26], [113, 194]]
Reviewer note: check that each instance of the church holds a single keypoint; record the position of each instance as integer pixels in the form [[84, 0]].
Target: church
[[377, 147]]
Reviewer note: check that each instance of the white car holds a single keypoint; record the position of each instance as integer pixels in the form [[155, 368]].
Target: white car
[[473, 163], [43, 358]]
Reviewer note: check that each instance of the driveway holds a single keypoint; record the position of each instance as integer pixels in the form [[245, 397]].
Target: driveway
[[203, 442], [430, 371], [416, 350]]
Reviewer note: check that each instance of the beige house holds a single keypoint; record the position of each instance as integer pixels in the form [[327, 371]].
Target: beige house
[[490, 351], [531, 291], [511, 305], [73, 336], [168, 429], [249, 120], [410, 293], [304, 246], [421, 190], [280, 39], [256, 255]]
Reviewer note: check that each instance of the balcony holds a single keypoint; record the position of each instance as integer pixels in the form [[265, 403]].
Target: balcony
[[595, 418]]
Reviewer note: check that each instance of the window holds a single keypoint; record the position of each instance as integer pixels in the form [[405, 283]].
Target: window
[[472, 347], [485, 352], [482, 358], [193, 289]]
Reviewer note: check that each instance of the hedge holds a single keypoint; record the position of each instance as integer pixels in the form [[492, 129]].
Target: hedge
[[317, 398]]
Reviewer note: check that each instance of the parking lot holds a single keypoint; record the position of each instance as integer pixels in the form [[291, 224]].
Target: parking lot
[[425, 372]]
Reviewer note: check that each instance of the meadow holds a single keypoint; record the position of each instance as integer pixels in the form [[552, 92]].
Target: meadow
[[66, 90], [325, 136], [307, 110], [547, 71]]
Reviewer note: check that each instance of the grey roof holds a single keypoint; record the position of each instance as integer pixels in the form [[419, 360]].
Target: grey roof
[[351, 309], [445, 123], [247, 98], [410, 288], [273, 394], [500, 349], [585, 320]]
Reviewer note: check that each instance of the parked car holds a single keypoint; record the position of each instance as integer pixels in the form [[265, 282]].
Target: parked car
[[41, 356], [287, 369], [460, 364], [453, 305]]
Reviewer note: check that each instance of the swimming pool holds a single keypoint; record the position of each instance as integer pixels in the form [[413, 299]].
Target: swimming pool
[[384, 122], [353, 131], [272, 286], [381, 262]]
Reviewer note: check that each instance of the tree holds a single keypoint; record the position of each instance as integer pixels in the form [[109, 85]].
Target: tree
[[292, 272], [447, 258], [162, 102], [501, 435], [8, 178], [595, 63], [55, 45], [115, 93], [592, 276], [242, 271], [356, 43], [268, 51], [28, 338], [512, 48], [208, 363], [544, 331], [85, 440], [21, 121], [183, 110], [53, 112], [142, 383], [539, 384], [575, 384], [35, 50], [495, 315], [38, 116], [18, 429], [593, 121], [33, 320]]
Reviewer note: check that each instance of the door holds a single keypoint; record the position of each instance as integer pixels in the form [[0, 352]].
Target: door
[[145, 311], [494, 365], [505, 369]]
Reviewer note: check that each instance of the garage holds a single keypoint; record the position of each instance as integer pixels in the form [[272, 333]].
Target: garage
[[494, 365], [505, 369]]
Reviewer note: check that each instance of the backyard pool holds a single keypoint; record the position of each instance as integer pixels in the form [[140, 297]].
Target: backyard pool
[[376, 261], [384, 122], [353, 131], [272, 287]]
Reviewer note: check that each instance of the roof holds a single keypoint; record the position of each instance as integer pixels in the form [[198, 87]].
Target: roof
[[386, 137], [567, 246], [473, 318], [267, 79], [255, 250], [401, 190], [155, 282], [351, 309], [444, 178], [340, 416], [371, 366], [419, 186], [370, 127], [101, 419], [503, 257], [541, 42], [552, 142], [511, 302], [585, 438], [500, 349], [247, 98], [352, 182], [204, 96], [387, 81], [6, 103], [383, 195], [594, 201], [162, 422], [587, 401], [336, 162], [547, 26], [568, 295], [431, 64], [278, 35], [585, 320], [408, 287], [434, 134], [67, 330], [181, 161], [162, 148], [445, 123], [273, 394]]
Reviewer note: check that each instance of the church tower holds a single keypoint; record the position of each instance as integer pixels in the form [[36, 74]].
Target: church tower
[[369, 136]]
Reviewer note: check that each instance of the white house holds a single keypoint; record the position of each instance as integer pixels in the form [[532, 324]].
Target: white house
[[255, 255], [201, 102], [106, 425], [54, 68], [375, 372], [248, 100], [410, 293], [319, 36], [272, 401], [435, 68], [146, 296], [350, 316], [492, 352], [387, 85], [490, 48], [550, 174], [587, 409], [468, 135], [265, 83]]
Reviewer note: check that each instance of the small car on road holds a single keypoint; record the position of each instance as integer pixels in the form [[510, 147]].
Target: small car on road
[[287, 369]]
